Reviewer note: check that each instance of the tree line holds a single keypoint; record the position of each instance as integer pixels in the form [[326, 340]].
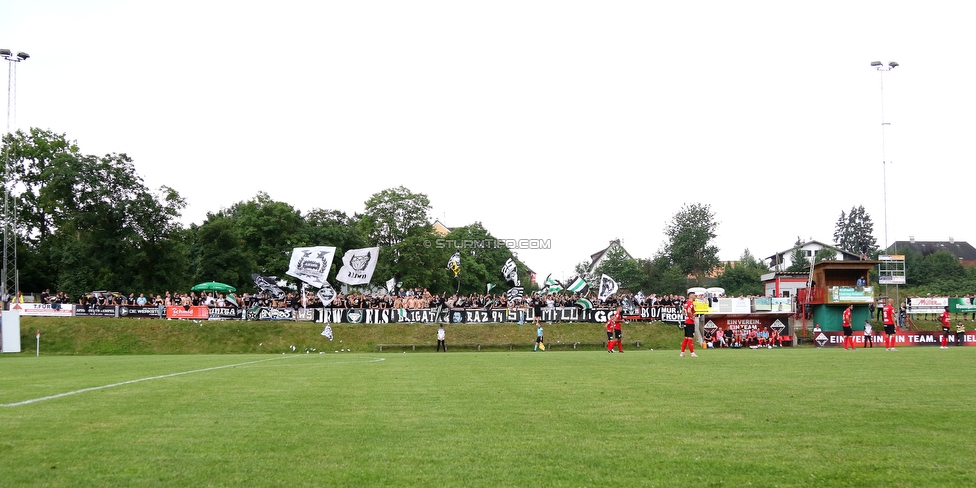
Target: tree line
[[88, 222]]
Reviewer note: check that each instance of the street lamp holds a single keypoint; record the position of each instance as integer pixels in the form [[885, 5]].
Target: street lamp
[[878, 65], [8, 275]]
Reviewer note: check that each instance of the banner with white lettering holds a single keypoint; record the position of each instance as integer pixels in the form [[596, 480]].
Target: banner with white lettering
[[902, 338]]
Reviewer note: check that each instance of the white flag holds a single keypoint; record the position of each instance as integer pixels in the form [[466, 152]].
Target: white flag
[[391, 285], [608, 286], [311, 264], [328, 331], [358, 266]]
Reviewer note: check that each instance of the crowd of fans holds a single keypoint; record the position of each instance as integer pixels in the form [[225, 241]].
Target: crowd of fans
[[414, 298]]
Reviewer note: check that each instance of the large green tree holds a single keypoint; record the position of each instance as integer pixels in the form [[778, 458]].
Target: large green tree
[[690, 236], [398, 221], [394, 214], [90, 222], [743, 277], [854, 231]]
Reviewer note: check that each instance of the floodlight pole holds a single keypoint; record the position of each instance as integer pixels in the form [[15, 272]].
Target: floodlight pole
[[9, 279], [882, 68], [884, 163]]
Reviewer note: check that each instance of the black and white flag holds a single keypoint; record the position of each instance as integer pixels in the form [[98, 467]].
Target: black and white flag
[[358, 266], [267, 285], [328, 331], [510, 273], [514, 293], [608, 286], [311, 264], [326, 294]]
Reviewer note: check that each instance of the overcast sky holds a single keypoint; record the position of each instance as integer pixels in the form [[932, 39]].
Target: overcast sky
[[576, 122]]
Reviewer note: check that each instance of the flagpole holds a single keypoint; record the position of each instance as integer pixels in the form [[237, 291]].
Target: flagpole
[[38, 343]]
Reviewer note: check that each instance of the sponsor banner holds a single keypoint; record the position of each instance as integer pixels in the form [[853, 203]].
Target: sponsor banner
[[729, 305], [934, 305], [891, 280], [850, 294], [45, 310], [902, 338], [95, 311], [136, 312], [962, 305], [224, 313], [198, 312]]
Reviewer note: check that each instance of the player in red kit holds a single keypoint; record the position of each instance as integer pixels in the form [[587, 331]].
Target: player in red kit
[[946, 323], [610, 334], [848, 330], [888, 313], [617, 334], [689, 340]]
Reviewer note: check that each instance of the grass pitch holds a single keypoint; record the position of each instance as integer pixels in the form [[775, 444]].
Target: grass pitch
[[781, 417]]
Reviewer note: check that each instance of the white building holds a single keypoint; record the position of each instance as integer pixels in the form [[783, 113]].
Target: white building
[[784, 259]]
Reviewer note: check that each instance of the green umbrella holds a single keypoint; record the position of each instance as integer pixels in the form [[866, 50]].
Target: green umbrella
[[214, 286]]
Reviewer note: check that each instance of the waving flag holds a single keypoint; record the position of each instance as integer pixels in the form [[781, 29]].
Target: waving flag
[[328, 331], [608, 286], [268, 286], [578, 285], [514, 293], [553, 286], [584, 303], [510, 273], [488, 288], [358, 266], [311, 264], [454, 264], [326, 294]]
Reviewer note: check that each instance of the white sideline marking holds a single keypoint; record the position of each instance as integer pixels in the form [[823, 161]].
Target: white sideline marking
[[113, 385]]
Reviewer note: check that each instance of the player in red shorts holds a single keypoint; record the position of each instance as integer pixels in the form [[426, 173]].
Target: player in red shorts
[[848, 330], [946, 323], [617, 335], [610, 333], [689, 340], [888, 314]]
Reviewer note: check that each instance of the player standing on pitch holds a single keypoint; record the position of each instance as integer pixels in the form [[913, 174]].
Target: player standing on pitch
[[617, 335], [539, 341], [848, 330], [946, 323], [689, 339], [888, 313], [610, 333]]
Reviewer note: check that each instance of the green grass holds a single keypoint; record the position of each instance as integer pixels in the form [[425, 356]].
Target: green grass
[[98, 336], [781, 417]]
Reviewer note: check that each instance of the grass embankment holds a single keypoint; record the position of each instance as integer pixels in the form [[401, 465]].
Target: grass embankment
[[96, 336]]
